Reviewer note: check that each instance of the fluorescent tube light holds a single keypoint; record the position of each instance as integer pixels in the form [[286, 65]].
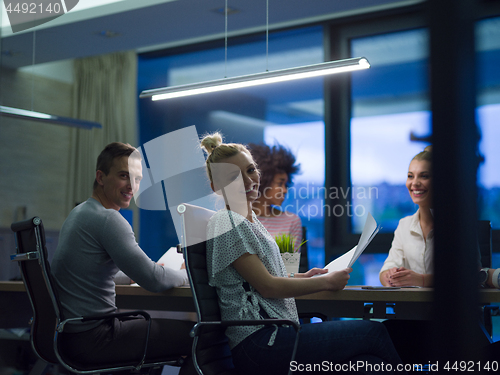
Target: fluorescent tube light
[[43, 117], [331, 67]]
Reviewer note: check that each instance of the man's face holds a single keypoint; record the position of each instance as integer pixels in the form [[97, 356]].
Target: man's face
[[121, 183]]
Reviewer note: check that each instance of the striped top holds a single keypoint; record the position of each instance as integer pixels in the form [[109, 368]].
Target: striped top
[[285, 222]]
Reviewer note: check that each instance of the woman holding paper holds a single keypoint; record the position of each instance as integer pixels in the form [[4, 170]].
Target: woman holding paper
[[410, 260], [245, 267]]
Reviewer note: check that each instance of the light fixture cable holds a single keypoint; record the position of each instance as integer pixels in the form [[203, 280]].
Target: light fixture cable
[[267, 35], [225, 41], [33, 72], [24, 114]]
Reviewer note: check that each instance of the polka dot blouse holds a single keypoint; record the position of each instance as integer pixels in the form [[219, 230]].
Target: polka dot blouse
[[230, 235]]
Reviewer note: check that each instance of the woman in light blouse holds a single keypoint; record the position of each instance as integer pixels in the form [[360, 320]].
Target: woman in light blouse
[[410, 259]]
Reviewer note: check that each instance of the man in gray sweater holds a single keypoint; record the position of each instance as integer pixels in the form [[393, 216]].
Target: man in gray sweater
[[96, 242]]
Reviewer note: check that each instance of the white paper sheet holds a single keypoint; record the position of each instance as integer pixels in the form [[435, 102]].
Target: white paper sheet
[[342, 262], [347, 260], [172, 259]]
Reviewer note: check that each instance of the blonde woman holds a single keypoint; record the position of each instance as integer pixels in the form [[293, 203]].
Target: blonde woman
[[245, 267], [410, 260]]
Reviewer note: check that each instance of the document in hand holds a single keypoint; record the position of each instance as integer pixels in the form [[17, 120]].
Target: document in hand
[[172, 259], [347, 260]]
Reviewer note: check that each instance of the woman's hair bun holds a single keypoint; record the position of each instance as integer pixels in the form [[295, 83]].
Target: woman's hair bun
[[210, 142], [428, 148]]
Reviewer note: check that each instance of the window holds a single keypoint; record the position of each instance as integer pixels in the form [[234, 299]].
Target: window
[[304, 198], [290, 113], [390, 107]]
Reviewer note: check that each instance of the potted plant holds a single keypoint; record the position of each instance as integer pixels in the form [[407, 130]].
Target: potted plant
[[291, 258]]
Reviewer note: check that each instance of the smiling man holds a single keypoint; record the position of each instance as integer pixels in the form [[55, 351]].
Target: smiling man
[[96, 242]]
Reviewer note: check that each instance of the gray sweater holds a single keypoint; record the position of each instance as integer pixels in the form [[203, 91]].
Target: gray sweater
[[94, 244]]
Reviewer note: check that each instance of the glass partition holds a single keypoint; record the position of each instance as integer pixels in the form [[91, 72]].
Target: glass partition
[[289, 113], [390, 122], [488, 115]]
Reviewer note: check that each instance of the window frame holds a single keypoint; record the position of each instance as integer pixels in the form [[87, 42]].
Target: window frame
[[338, 115], [338, 34]]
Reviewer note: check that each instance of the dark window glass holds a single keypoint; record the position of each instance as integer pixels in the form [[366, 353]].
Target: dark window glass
[[390, 109], [289, 113]]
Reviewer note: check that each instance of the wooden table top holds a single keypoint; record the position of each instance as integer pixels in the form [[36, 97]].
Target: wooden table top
[[350, 293]]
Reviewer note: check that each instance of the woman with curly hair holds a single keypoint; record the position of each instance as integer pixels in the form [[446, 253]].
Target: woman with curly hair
[[277, 167]]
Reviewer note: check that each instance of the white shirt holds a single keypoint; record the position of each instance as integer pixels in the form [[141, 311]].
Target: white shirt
[[409, 248]]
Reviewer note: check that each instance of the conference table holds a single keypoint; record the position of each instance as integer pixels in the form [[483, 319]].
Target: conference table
[[352, 302]]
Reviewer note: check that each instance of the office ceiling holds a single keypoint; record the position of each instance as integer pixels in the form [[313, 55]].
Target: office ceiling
[[161, 24]]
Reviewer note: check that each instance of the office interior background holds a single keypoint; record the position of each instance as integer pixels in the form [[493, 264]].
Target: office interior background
[[93, 62]]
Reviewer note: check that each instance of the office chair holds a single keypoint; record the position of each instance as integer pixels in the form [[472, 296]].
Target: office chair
[[48, 321], [211, 354], [485, 248]]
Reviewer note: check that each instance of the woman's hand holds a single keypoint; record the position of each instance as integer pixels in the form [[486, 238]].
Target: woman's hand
[[405, 277], [312, 272], [385, 277], [337, 280]]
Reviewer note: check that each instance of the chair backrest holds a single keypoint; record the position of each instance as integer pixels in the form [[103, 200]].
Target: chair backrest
[[211, 351], [35, 271], [485, 242]]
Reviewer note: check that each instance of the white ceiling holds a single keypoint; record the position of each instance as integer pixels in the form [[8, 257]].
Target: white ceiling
[[148, 25]]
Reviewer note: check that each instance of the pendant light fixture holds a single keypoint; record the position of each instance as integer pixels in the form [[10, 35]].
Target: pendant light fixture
[[308, 71], [44, 117]]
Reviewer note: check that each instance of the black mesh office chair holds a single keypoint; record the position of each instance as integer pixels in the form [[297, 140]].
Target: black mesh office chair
[[48, 320], [211, 353]]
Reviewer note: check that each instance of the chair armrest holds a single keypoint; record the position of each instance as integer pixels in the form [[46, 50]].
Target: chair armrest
[[230, 323], [116, 315], [24, 256], [60, 326]]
